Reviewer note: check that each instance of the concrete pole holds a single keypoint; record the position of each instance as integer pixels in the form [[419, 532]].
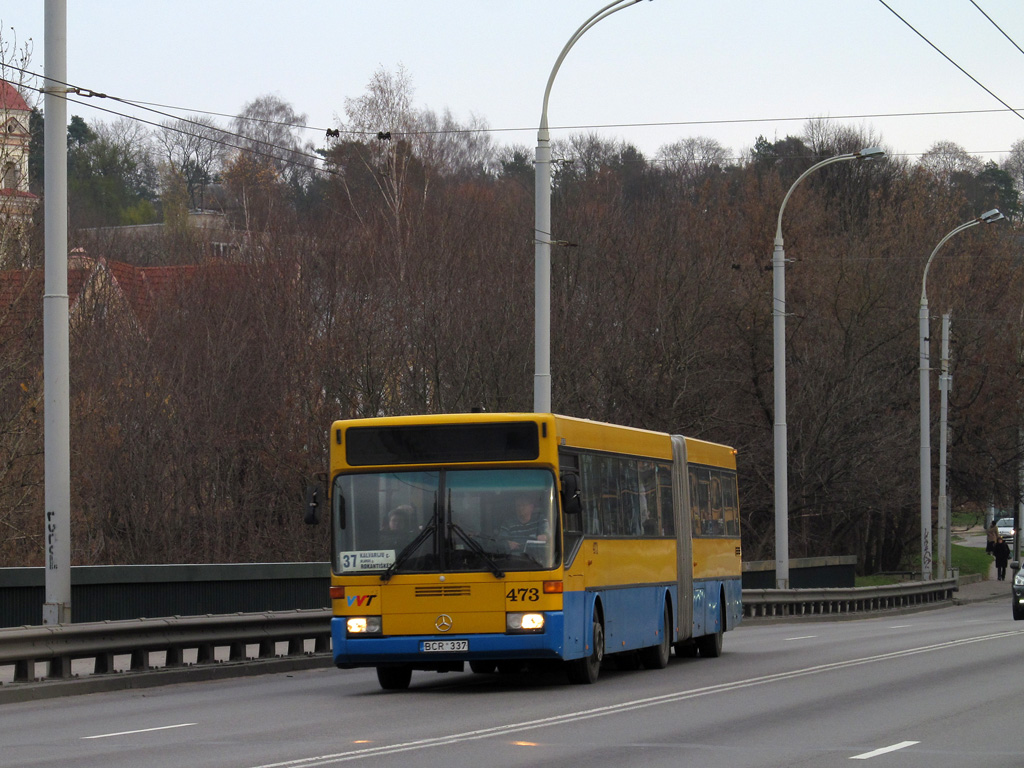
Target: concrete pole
[[926, 448], [926, 461], [944, 545], [542, 225], [56, 388], [779, 430]]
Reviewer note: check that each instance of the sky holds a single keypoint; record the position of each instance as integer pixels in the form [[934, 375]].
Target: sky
[[651, 74]]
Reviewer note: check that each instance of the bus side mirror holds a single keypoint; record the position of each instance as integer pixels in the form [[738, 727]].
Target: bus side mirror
[[314, 492]]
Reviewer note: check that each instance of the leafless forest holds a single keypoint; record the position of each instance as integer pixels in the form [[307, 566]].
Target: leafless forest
[[396, 276]]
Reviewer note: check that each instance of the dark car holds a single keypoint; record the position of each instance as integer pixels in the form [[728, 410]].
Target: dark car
[[1018, 595]]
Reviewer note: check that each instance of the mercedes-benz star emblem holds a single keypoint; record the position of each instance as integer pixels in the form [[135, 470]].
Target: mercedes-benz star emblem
[[443, 623]]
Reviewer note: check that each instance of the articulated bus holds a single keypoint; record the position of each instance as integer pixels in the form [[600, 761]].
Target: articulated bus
[[505, 539]]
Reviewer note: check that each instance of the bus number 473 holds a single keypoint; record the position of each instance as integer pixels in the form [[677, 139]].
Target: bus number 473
[[523, 594]]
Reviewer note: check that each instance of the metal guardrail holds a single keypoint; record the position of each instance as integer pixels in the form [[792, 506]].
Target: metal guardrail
[[207, 640], [760, 603], [57, 646]]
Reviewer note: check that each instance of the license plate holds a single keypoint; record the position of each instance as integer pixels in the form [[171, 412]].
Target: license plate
[[444, 646]]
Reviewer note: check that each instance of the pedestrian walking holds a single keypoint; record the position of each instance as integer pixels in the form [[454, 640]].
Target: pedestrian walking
[[1001, 551], [991, 534]]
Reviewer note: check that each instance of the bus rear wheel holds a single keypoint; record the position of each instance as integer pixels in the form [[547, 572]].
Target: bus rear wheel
[[656, 656], [586, 670], [394, 678], [710, 646]]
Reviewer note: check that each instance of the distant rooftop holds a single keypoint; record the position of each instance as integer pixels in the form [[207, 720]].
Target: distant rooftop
[[11, 99]]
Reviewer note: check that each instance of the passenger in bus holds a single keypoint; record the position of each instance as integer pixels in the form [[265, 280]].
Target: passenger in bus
[[398, 529], [525, 525]]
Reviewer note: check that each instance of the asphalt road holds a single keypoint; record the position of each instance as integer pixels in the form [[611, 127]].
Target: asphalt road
[[936, 688]]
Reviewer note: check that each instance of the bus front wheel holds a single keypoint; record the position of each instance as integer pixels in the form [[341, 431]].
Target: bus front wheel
[[585, 671], [394, 678]]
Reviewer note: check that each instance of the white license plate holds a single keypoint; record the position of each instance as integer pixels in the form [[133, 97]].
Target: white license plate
[[444, 646]]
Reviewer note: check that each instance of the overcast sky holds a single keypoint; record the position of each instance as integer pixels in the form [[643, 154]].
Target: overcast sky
[[651, 74]]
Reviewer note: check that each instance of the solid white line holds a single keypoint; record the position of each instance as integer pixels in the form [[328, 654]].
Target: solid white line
[[885, 750], [141, 730], [802, 637], [626, 706]]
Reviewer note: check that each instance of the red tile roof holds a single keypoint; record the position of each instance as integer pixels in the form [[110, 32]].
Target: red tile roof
[[11, 99]]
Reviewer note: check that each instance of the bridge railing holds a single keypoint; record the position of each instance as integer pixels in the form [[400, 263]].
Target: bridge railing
[[764, 603], [32, 654]]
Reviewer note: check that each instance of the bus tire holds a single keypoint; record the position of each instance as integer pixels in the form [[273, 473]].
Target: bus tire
[[586, 670], [710, 646], [656, 656], [686, 649], [394, 678]]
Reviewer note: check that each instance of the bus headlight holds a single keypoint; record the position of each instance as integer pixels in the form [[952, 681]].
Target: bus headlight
[[524, 622], [363, 625]]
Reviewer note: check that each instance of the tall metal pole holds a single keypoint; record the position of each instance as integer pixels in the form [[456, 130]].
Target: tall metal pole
[[945, 380], [57, 412], [779, 368], [923, 375], [542, 227]]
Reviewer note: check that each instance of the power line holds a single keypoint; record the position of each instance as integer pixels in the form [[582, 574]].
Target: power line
[[152, 107], [947, 58], [996, 26]]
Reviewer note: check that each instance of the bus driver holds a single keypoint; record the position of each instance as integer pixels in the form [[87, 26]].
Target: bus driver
[[525, 525]]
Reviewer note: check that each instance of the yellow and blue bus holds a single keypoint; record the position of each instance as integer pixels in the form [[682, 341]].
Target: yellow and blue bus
[[501, 539]]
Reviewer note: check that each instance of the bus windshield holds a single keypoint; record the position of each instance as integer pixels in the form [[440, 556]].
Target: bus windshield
[[445, 520]]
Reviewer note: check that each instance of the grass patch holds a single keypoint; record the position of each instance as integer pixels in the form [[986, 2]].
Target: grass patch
[[877, 580], [971, 560], [966, 519], [967, 559]]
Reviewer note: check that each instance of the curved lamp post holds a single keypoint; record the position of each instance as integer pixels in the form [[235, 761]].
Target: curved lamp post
[[926, 450], [779, 334], [542, 227]]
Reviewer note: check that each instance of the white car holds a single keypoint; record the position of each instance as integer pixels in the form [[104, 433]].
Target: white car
[[1005, 526]]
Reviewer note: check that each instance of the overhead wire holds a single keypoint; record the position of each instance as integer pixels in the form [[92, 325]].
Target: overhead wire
[[942, 53], [217, 134], [318, 160], [992, 22]]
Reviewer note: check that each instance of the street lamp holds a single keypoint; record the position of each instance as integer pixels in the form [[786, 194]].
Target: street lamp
[[779, 333], [542, 227], [926, 450]]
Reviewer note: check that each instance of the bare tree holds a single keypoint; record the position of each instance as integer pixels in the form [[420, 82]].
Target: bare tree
[[192, 149], [1013, 164], [269, 129], [693, 158], [947, 159]]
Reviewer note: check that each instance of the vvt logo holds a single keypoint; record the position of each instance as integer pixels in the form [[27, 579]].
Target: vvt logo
[[360, 600]]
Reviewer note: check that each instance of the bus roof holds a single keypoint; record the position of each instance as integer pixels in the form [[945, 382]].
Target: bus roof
[[575, 433]]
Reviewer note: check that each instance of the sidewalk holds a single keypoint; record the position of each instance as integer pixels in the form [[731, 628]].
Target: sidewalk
[[974, 590]]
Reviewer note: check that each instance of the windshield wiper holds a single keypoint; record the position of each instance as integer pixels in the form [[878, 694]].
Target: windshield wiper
[[475, 547], [406, 553]]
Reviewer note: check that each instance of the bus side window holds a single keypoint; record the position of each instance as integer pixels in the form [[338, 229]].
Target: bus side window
[[648, 498], [608, 494], [590, 495], [700, 501], [668, 523], [731, 504], [572, 497], [629, 498]]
